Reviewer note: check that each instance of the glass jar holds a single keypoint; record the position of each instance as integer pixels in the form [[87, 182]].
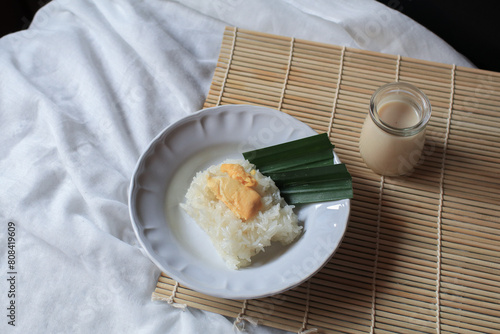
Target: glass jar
[[393, 134]]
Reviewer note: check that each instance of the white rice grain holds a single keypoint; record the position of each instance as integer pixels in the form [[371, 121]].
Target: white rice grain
[[237, 241]]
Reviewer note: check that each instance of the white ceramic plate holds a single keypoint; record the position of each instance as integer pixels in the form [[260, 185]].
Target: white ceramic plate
[[180, 248]]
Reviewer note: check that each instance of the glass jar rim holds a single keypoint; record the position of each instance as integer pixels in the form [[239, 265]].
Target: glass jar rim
[[398, 88]]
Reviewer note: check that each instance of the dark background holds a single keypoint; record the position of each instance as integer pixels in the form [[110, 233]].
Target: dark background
[[471, 27]]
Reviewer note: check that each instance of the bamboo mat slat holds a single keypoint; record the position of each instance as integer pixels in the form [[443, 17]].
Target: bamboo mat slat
[[421, 253]]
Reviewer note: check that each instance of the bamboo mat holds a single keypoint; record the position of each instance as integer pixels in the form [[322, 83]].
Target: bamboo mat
[[421, 253]]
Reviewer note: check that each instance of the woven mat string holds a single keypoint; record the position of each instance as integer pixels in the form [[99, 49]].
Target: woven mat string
[[379, 215], [441, 200], [337, 90], [219, 100], [239, 323], [375, 263], [285, 82], [398, 66], [303, 330], [170, 299]]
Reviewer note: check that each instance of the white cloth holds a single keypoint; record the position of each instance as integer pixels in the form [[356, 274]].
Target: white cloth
[[82, 92]]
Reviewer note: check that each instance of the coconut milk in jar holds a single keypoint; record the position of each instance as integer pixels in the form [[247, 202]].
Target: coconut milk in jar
[[393, 134]]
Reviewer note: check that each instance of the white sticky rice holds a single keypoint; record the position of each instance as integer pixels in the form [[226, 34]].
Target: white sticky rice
[[237, 241]]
